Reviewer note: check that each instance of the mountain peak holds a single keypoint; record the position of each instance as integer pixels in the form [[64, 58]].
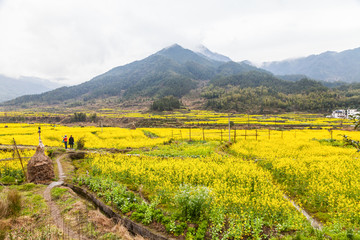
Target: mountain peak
[[204, 51], [182, 55], [175, 45]]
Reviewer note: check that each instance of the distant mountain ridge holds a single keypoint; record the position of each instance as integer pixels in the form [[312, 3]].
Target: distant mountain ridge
[[171, 71], [328, 66], [204, 81], [11, 88]]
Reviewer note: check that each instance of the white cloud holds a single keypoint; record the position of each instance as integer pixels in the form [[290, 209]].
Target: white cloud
[[79, 39]]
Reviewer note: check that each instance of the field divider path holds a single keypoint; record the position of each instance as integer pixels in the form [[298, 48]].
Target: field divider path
[[133, 227], [314, 223], [54, 210]]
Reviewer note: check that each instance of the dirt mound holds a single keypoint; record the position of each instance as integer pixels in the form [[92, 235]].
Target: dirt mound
[[40, 167]]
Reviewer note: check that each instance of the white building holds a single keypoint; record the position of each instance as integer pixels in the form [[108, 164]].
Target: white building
[[341, 113], [352, 113]]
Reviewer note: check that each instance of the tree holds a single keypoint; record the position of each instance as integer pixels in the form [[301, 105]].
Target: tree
[[168, 103], [79, 117], [349, 141]]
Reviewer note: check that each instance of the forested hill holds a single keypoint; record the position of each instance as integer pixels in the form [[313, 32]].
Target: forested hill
[[260, 92], [171, 71], [207, 79]]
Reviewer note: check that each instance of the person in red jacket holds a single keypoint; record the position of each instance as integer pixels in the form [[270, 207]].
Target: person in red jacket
[[65, 139]]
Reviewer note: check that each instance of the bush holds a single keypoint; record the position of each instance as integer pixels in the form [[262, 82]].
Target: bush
[[14, 202], [11, 205], [193, 201], [4, 228], [81, 143], [4, 211], [8, 180], [93, 117]]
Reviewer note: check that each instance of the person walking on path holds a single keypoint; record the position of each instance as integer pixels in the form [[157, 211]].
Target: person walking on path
[[65, 139], [71, 141]]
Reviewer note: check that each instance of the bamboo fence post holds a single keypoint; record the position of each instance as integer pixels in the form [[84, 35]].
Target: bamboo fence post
[[248, 121], [331, 132], [229, 130], [235, 135], [22, 166]]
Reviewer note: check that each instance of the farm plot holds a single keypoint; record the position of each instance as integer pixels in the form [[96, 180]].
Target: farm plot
[[321, 174], [226, 196], [11, 170]]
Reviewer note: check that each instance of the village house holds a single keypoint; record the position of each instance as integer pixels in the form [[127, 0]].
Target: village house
[[342, 113]]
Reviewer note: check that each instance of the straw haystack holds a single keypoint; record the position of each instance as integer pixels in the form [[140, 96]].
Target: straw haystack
[[40, 167]]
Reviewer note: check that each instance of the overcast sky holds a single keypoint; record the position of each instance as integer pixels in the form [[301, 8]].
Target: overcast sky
[[74, 40]]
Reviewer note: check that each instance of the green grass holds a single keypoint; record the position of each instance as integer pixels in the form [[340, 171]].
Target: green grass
[[331, 142], [27, 187], [150, 134], [57, 193], [182, 149]]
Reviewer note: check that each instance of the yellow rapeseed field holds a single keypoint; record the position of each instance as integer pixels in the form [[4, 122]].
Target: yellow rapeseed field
[[248, 180], [322, 175], [243, 188]]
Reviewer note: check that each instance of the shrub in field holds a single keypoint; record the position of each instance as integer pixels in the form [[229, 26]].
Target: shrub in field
[[4, 228], [81, 143], [3, 209], [193, 201], [14, 201], [11, 205]]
